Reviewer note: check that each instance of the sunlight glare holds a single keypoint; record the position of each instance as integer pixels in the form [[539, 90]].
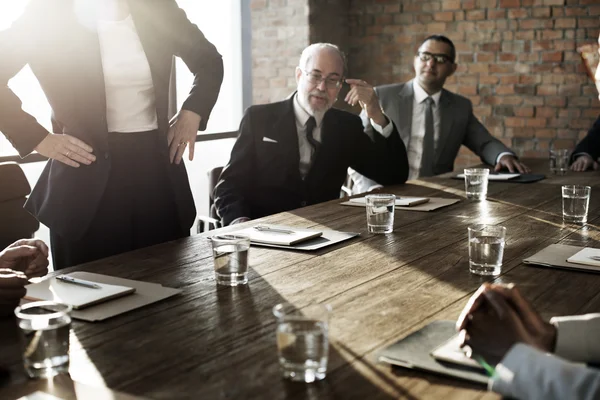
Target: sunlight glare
[[10, 10]]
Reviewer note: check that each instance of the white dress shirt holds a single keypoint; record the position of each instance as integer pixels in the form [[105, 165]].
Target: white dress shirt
[[130, 101], [306, 149], [527, 373]]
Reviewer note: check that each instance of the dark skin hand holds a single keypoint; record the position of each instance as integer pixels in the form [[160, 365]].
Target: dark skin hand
[[497, 317]]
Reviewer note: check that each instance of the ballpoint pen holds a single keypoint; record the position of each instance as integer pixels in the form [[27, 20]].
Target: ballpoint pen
[[264, 228], [489, 370], [74, 281]]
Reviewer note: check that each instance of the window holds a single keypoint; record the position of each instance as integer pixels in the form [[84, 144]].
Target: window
[[220, 21]]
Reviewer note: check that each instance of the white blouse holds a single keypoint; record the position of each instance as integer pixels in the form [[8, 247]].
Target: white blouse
[[130, 101]]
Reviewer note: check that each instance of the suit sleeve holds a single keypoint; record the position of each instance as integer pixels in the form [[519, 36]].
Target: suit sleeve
[[202, 59], [479, 140], [591, 142], [16, 44], [380, 159], [577, 337], [527, 373], [232, 190]]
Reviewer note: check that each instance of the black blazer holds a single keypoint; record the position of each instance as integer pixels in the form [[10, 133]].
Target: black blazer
[[591, 142], [59, 41], [263, 177]]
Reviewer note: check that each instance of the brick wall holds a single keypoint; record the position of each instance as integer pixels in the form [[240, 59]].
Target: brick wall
[[517, 58], [517, 61], [280, 31]]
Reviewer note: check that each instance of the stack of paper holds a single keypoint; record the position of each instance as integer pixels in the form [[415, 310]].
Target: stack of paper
[[400, 201], [278, 234], [587, 256]]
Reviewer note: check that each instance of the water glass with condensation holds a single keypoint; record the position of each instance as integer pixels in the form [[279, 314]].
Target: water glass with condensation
[[575, 202], [45, 329], [486, 249], [476, 183], [559, 161], [302, 341], [230, 255], [380, 212]]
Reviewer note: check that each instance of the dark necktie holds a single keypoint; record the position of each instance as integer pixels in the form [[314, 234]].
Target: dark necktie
[[310, 127], [427, 157]]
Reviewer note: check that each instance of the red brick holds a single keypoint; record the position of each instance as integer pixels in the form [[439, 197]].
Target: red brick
[[518, 13], [535, 24], [443, 16], [475, 15], [554, 2], [451, 5], [546, 112], [544, 90], [486, 57], [513, 122], [510, 3], [524, 112], [505, 89], [565, 23], [496, 14], [552, 56], [541, 12]]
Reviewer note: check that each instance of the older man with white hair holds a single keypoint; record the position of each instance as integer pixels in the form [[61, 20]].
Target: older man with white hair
[[295, 152]]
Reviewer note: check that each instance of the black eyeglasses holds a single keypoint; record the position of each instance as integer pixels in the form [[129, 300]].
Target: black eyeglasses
[[330, 83], [438, 58]]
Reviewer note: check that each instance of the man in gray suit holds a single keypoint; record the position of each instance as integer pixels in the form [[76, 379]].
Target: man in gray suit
[[432, 122], [501, 327]]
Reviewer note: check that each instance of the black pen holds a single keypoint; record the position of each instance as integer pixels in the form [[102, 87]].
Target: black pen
[[74, 281]]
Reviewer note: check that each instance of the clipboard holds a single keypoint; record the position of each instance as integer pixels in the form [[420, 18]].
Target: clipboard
[[414, 352], [556, 255], [145, 293]]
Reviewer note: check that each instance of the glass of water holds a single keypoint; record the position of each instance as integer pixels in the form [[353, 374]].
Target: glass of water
[[230, 255], [559, 161], [45, 328], [302, 341], [486, 249], [380, 212], [476, 183], [575, 202]]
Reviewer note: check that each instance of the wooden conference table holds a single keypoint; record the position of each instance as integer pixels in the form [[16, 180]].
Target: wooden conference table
[[217, 342]]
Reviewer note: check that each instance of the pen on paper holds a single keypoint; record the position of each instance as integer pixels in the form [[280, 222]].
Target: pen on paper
[[74, 281], [264, 228]]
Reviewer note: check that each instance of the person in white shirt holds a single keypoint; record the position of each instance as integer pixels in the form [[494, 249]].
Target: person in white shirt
[[500, 326], [432, 122], [115, 181], [24, 259]]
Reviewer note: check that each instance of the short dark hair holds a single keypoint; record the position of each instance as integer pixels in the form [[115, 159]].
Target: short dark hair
[[443, 39]]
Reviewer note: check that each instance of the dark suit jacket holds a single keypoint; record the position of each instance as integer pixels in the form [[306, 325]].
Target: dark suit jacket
[[591, 142], [458, 125], [58, 40], [263, 177]]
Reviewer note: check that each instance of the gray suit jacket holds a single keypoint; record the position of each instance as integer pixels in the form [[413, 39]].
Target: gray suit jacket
[[458, 127], [527, 373]]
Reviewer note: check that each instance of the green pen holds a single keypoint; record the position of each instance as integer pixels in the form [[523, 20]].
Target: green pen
[[489, 370]]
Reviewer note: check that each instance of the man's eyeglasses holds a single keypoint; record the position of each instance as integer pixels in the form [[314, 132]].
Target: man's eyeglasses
[[330, 83], [438, 58]]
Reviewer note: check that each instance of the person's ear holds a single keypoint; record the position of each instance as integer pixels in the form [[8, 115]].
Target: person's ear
[[454, 66], [298, 75]]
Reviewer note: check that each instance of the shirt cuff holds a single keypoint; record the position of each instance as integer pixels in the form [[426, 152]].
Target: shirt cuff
[[575, 338], [504, 154], [509, 375], [385, 132]]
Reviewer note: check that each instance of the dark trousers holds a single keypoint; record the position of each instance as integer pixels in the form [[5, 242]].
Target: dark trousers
[[137, 208]]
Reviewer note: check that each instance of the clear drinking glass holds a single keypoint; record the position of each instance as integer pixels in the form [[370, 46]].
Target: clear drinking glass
[[230, 255], [486, 249], [302, 341], [575, 202], [380, 212], [559, 161], [476, 183], [45, 328]]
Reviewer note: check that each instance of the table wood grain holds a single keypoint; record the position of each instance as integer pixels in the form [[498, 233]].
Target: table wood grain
[[215, 342]]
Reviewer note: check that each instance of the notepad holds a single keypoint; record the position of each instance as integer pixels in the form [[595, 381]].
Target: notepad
[[587, 256], [78, 297], [495, 177], [400, 201], [278, 234], [450, 351]]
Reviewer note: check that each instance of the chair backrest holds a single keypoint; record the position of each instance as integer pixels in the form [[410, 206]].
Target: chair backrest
[[16, 223], [212, 221], [213, 179]]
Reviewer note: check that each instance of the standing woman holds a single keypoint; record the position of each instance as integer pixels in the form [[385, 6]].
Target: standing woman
[[115, 181]]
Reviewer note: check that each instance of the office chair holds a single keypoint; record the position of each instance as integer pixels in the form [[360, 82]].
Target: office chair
[[15, 222], [212, 221]]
